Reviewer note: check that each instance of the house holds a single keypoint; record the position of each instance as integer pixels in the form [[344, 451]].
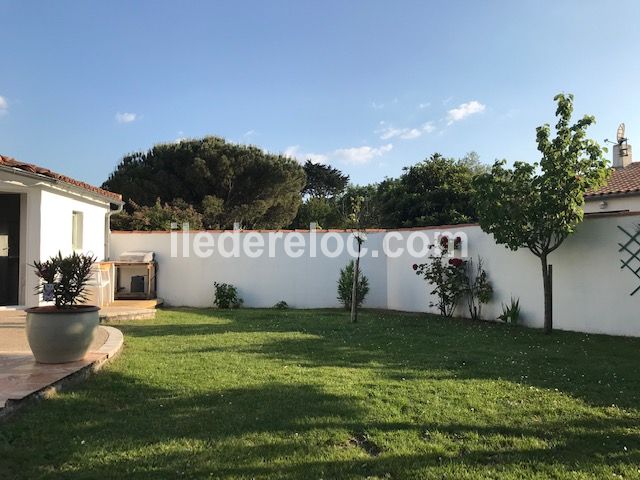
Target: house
[[41, 213], [622, 191]]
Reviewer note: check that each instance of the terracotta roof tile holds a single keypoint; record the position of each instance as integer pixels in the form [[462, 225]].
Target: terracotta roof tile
[[622, 180], [28, 167]]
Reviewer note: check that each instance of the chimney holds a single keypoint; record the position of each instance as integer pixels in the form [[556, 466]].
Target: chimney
[[621, 155]]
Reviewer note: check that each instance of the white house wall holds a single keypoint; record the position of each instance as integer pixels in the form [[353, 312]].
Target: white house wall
[[591, 291], [613, 204], [56, 224]]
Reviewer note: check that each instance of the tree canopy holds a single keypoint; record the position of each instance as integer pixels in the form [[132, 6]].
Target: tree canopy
[[224, 182], [211, 183], [324, 180], [436, 191], [536, 206]]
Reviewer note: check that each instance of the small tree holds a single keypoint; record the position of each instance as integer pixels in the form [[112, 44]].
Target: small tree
[[355, 219], [345, 287], [538, 205]]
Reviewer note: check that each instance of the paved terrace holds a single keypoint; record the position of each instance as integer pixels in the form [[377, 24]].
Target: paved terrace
[[21, 378]]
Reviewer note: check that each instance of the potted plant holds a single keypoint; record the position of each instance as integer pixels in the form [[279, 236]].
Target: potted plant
[[64, 331]]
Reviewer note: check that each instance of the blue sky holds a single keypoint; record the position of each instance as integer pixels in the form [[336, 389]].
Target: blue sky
[[368, 86]]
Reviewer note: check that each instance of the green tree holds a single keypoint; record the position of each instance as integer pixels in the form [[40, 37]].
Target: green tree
[[158, 216], [436, 191], [346, 281], [536, 206], [325, 185], [323, 180], [225, 182], [365, 200], [324, 212]]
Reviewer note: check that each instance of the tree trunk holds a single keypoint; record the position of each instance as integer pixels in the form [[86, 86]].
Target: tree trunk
[[547, 276], [354, 288]]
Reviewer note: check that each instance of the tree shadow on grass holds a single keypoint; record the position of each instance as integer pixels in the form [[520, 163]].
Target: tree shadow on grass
[[120, 427], [600, 370]]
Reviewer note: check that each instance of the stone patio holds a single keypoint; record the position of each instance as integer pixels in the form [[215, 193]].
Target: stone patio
[[22, 379]]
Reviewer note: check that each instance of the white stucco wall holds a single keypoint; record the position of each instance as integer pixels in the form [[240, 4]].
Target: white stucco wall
[[55, 226], [302, 282], [608, 204], [591, 291]]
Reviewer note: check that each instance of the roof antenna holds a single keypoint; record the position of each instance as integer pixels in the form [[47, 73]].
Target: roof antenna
[[620, 138]]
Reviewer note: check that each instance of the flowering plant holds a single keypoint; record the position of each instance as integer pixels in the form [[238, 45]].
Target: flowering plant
[[448, 279], [455, 279], [457, 262], [444, 243]]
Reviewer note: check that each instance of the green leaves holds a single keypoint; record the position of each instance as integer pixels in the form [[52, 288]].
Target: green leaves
[[69, 275], [436, 191], [345, 286], [323, 180], [223, 182], [538, 205]]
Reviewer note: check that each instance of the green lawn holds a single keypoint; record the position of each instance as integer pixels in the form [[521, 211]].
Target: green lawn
[[306, 394]]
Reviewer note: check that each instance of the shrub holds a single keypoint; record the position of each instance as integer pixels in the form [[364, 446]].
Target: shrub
[[68, 276], [478, 290], [345, 285], [511, 312], [226, 296], [281, 305], [448, 279]]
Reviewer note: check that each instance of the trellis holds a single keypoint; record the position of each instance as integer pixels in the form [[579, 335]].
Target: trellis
[[632, 248]]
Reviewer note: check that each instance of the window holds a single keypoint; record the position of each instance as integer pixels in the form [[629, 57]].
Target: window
[[77, 231]]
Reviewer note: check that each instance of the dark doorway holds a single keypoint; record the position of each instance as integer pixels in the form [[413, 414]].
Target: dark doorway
[[9, 248]]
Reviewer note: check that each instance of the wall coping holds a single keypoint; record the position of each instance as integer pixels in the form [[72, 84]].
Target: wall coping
[[587, 216]]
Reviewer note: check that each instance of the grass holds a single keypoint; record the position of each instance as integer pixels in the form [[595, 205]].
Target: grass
[[306, 394]]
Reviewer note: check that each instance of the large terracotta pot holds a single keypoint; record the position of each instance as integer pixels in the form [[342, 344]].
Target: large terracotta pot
[[61, 335]]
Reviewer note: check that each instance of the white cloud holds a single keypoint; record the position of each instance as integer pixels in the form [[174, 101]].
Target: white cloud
[[249, 133], [464, 110], [387, 131], [429, 127], [293, 151], [126, 117], [4, 105], [410, 134], [422, 106], [361, 155], [379, 106]]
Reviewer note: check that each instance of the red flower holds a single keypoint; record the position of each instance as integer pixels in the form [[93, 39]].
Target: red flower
[[415, 266], [456, 262], [444, 242]]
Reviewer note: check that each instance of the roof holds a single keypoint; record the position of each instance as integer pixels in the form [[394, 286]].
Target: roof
[[622, 180], [30, 168]]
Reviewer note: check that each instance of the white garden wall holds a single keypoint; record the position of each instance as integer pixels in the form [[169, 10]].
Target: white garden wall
[[591, 291], [302, 282]]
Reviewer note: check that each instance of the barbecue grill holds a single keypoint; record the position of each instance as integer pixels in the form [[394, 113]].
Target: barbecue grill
[[136, 276]]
